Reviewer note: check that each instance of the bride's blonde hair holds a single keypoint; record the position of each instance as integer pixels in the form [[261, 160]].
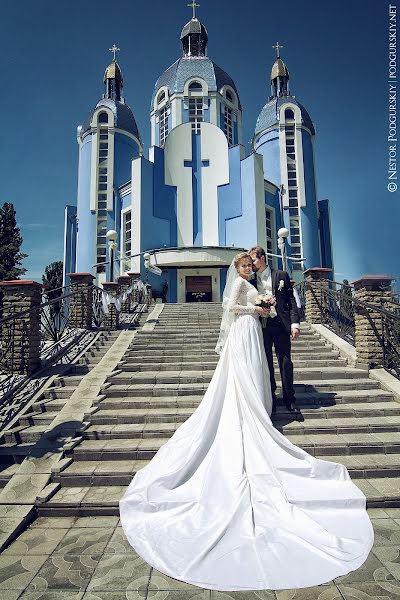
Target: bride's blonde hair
[[239, 257]]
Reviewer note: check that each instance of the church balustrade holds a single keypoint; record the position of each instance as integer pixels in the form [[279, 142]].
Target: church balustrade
[[36, 331], [365, 313]]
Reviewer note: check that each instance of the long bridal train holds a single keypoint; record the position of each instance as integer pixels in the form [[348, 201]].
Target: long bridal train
[[228, 503]]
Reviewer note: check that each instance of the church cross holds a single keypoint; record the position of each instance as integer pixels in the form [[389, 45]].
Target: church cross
[[193, 5], [114, 50], [277, 46]]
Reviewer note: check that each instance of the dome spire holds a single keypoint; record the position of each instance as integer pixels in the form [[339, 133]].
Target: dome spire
[[194, 36], [194, 5], [113, 78], [279, 75]]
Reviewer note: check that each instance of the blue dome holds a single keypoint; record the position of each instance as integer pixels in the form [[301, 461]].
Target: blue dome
[[269, 114], [199, 66], [123, 115]]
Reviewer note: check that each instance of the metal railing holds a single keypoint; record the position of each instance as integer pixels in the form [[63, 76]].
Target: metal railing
[[338, 310]]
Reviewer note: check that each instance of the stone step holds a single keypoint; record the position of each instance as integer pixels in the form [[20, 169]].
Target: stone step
[[197, 376], [188, 389], [37, 418], [303, 353], [69, 381], [381, 492], [166, 419], [130, 364], [176, 344], [316, 444], [112, 472], [49, 405], [316, 404], [59, 392]]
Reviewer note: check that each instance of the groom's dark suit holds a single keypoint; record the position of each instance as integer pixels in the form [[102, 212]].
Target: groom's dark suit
[[276, 331]]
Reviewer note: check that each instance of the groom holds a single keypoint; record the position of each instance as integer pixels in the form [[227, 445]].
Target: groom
[[280, 328]]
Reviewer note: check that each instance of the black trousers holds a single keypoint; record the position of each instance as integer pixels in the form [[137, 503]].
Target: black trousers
[[276, 335]]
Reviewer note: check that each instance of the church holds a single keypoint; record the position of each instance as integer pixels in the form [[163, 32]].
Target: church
[[198, 196]]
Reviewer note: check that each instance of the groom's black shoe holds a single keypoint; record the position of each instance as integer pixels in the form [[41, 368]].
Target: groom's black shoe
[[292, 408]]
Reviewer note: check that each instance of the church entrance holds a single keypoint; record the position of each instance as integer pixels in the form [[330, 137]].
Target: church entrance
[[198, 288]]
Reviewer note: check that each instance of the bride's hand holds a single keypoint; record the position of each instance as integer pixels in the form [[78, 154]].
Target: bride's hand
[[263, 312]]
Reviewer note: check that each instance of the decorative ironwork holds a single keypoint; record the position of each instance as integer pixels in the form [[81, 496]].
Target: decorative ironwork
[[390, 321], [338, 308]]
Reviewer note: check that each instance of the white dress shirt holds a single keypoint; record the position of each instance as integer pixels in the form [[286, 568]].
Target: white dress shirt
[[264, 286]]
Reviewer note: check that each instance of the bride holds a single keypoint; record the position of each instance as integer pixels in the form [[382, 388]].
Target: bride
[[229, 503]]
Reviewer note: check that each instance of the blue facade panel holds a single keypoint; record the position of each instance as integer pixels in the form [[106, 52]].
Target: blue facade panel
[[164, 200], [230, 195], [86, 240], [309, 213], [268, 147], [69, 243], [325, 235], [241, 230]]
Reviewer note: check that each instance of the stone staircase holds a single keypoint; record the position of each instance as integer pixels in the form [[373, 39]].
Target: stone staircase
[[18, 440], [348, 418]]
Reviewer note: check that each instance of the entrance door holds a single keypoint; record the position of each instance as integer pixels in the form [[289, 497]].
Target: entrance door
[[198, 289]]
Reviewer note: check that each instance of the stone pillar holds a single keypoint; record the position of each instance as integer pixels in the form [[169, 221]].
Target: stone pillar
[[136, 295], [375, 290], [81, 300], [316, 281], [20, 336], [111, 319], [124, 283]]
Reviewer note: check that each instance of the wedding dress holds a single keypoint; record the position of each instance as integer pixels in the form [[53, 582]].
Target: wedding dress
[[229, 503]]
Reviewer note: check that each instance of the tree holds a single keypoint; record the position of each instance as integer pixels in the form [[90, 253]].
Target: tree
[[52, 283], [53, 275], [10, 245]]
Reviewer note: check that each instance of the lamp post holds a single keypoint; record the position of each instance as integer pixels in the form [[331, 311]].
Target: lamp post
[[111, 236], [282, 236]]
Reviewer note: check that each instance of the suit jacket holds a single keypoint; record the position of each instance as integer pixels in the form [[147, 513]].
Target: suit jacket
[[286, 306]]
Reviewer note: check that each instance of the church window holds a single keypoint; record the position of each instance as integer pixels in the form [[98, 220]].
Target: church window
[[128, 233], [163, 124], [195, 113], [228, 125], [289, 114], [270, 234], [103, 117], [229, 96], [161, 97], [195, 86]]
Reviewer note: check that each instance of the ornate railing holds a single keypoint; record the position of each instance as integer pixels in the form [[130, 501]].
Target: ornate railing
[[339, 308]]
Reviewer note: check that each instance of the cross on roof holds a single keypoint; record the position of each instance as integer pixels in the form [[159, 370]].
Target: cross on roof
[[277, 46], [114, 50], [193, 5]]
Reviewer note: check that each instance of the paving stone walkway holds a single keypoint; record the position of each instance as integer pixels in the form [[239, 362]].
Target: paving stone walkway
[[71, 558]]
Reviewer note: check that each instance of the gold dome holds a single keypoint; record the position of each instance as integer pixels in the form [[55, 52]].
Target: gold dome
[[279, 69], [113, 71]]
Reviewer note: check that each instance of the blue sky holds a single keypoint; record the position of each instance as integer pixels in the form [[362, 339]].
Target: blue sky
[[54, 55]]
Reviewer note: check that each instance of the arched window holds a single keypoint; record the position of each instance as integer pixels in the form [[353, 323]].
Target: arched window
[[161, 97], [103, 117], [195, 86], [289, 114], [229, 96]]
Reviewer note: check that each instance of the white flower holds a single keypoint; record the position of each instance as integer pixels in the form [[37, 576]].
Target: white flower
[[281, 285]]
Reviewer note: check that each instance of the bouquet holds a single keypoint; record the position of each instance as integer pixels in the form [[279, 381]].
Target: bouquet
[[266, 301]]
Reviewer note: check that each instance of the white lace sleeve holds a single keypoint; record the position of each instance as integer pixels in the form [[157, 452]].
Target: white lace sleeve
[[234, 306]]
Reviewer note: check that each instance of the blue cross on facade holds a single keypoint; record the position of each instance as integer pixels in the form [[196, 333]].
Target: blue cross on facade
[[196, 164]]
